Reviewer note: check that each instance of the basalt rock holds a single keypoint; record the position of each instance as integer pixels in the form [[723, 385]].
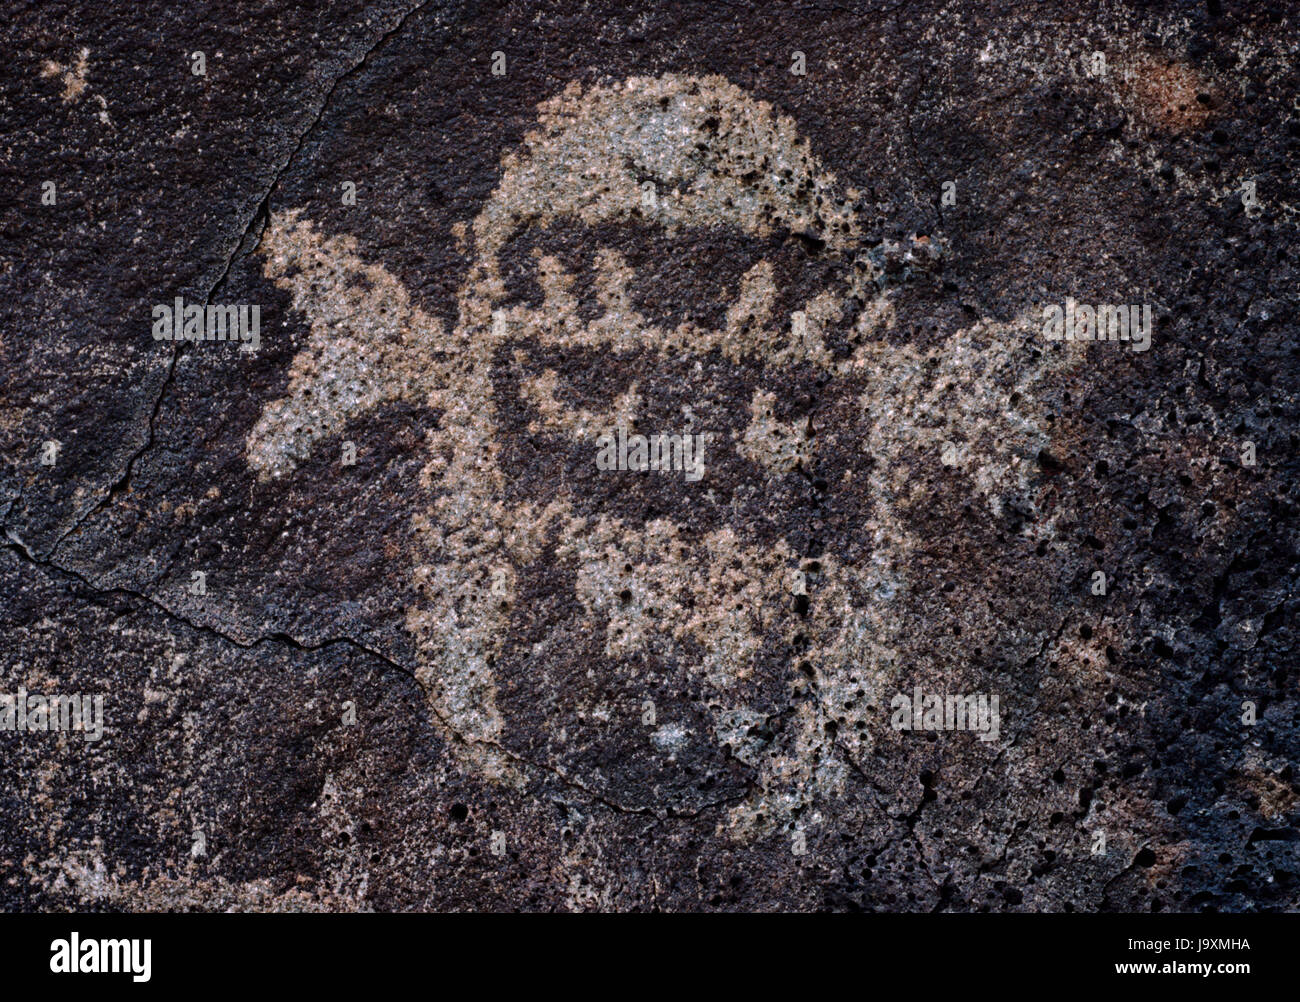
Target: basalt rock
[[672, 468]]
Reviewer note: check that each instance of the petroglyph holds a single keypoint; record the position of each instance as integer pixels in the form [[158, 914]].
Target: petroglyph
[[74, 77], [711, 155]]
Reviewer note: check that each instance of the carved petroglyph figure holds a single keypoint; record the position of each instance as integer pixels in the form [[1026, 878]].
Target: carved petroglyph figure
[[719, 158]]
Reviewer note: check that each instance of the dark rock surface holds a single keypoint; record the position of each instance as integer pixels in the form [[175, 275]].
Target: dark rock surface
[[474, 671]]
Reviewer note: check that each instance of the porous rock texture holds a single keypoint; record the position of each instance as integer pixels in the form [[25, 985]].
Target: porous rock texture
[[474, 670]]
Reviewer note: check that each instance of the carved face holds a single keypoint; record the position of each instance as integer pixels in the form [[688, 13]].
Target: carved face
[[684, 587], [697, 590]]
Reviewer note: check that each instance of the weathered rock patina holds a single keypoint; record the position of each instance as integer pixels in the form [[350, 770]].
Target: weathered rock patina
[[373, 628]]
